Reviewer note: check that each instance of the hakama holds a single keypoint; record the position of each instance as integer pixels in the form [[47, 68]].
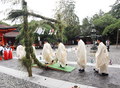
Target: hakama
[[10, 54], [5, 55], [0, 57]]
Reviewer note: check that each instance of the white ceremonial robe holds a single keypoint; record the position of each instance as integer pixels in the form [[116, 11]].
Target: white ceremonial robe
[[47, 53], [8, 50], [20, 52], [102, 59], [81, 55], [62, 55], [34, 51], [1, 48]]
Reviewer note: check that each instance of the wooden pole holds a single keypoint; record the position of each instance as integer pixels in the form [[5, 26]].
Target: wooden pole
[[117, 39]]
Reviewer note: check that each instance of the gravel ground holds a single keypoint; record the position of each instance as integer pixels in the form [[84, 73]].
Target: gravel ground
[[7, 81]]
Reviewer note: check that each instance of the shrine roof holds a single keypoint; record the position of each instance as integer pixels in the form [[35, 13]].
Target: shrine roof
[[2, 26], [12, 34]]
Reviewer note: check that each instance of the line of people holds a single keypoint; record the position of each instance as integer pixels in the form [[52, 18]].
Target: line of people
[[5, 52], [101, 55], [61, 53]]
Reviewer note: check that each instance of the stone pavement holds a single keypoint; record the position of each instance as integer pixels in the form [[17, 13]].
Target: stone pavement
[[7, 81], [37, 79], [86, 78]]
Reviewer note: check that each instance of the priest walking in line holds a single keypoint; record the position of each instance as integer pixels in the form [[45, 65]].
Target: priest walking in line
[[20, 51], [101, 58], [61, 54], [47, 52], [81, 54]]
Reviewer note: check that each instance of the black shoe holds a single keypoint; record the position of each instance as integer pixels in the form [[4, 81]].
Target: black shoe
[[95, 70], [76, 86], [104, 74], [66, 64], [81, 70], [52, 61], [46, 63], [60, 66]]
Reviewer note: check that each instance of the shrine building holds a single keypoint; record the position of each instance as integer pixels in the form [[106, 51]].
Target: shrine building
[[8, 34]]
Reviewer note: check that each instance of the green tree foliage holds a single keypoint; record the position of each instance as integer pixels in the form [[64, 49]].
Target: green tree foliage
[[19, 26], [103, 22], [19, 38], [115, 11], [97, 16], [4, 23], [71, 31], [67, 10], [69, 19], [86, 27], [87, 22], [112, 27]]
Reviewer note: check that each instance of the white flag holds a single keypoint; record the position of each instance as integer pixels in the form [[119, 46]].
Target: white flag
[[39, 38], [43, 31], [50, 33], [55, 32], [39, 30]]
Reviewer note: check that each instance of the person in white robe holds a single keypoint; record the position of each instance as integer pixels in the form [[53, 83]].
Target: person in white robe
[[8, 48], [101, 58], [1, 49], [20, 51], [81, 54], [61, 54], [47, 52], [4, 48]]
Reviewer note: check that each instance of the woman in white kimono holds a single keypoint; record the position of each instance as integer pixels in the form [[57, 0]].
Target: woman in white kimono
[[47, 52], [81, 54], [61, 54], [101, 58]]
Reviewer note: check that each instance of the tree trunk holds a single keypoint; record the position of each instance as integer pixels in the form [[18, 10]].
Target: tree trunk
[[29, 69], [26, 38], [117, 39]]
